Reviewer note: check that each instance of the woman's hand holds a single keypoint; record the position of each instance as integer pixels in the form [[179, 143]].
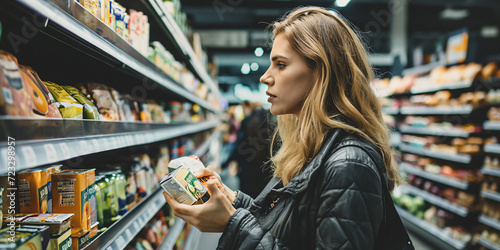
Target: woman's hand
[[209, 171], [209, 217]]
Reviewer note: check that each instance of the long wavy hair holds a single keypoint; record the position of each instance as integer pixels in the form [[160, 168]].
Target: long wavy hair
[[341, 96]]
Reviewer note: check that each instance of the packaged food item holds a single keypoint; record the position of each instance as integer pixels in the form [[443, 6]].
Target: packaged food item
[[48, 172], [117, 178], [108, 109], [183, 186], [32, 190], [162, 161], [78, 242], [68, 106], [92, 209], [191, 162], [110, 200], [94, 229], [14, 97], [120, 104], [70, 195], [99, 201], [25, 237], [57, 223], [40, 101], [89, 109], [60, 241]]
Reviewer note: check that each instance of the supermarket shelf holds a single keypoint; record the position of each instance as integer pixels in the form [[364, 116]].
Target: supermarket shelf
[[490, 195], [429, 231], [184, 44], [434, 177], [422, 69], [193, 237], [490, 171], [491, 125], [434, 131], [173, 233], [89, 36], [438, 87], [390, 110], [118, 235], [31, 153], [438, 110], [488, 244], [460, 158], [436, 200], [493, 148], [486, 220]]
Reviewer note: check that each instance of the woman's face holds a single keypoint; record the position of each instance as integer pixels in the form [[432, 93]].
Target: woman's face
[[288, 79]]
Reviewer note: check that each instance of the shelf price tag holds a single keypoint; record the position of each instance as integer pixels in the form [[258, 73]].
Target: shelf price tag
[[97, 147], [29, 156], [84, 147], [128, 233], [114, 144], [105, 142], [65, 150], [50, 152], [120, 242]]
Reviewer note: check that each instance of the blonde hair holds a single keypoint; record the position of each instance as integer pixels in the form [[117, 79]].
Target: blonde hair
[[341, 96]]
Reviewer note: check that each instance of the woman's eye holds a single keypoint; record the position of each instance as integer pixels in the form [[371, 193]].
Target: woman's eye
[[281, 66]]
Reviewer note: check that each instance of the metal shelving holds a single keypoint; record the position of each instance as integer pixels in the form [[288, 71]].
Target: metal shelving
[[490, 195], [436, 200], [438, 110], [450, 132], [460, 158], [489, 221], [491, 171], [493, 148], [434, 177], [174, 232]]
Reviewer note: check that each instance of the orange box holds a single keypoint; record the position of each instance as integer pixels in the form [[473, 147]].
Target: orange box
[[49, 170], [33, 191], [92, 209], [70, 195]]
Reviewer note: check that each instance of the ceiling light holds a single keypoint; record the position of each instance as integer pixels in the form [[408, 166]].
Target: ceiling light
[[254, 66], [245, 69], [341, 3], [454, 14], [258, 52]]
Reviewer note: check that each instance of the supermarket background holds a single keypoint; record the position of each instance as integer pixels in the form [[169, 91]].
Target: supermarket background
[[98, 95]]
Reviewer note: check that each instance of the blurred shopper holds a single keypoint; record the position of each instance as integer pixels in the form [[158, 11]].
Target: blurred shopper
[[334, 167], [252, 149]]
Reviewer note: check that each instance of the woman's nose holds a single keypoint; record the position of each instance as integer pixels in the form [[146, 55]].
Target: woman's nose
[[266, 78]]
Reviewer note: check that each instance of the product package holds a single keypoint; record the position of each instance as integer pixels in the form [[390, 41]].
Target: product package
[[48, 172], [57, 223], [89, 109], [68, 106], [183, 186], [25, 237], [32, 190], [60, 241], [70, 195], [192, 163]]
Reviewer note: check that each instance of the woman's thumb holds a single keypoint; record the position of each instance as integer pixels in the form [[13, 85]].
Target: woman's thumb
[[212, 187]]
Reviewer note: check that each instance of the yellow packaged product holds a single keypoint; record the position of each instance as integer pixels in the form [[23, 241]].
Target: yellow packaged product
[[78, 242], [70, 195], [61, 242], [33, 191], [92, 207], [26, 237], [49, 170], [89, 109], [68, 106]]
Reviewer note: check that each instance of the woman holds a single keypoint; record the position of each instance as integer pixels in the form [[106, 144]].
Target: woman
[[329, 189]]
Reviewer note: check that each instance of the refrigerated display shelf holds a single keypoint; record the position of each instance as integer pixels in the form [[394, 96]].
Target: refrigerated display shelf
[[437, 87], [173, 233], [32, 153], [91, 38], [488, 244], [434, 177], [491, 125], [390, 110], [493, 148], [490, 195], [490, 171], [118, 235], [489, 221], [449, 132], [460, 158], [438, 110], [429, 231], [183, 43], [436, 200]]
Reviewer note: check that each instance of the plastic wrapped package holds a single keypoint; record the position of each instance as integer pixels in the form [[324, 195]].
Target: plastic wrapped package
[[43, 101], [14, 97], [68, 106], [89, 109], [103, 99]]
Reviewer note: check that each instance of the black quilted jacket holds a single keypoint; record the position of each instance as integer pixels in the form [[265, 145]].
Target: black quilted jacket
[[334, 203]]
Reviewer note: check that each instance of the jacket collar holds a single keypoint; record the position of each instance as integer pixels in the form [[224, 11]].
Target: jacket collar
[[300, 182]]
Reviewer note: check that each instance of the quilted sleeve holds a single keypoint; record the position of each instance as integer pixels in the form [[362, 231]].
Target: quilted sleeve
[[351, 209], [242, 201]]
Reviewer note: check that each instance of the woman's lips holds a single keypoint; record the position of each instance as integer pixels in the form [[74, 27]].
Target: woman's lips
[[271, 97]]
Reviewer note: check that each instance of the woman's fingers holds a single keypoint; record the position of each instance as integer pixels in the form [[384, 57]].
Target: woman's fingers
[[179, 209]]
